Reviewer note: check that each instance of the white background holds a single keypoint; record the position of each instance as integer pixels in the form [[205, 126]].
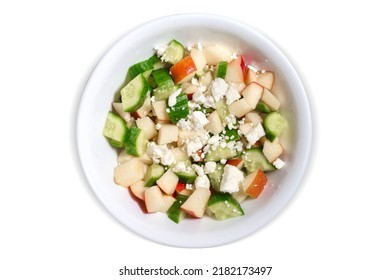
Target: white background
[[336, 227]]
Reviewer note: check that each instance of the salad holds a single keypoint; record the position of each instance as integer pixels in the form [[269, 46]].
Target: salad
[[198, 131]]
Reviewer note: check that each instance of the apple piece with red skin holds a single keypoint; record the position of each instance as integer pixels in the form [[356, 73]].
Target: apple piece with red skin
[[254, 183], [250, 77], [183, 70], [190, 96], [236, 70], [180, 187], [197, 202], [238, 162]]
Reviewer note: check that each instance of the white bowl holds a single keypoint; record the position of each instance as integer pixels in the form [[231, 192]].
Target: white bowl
[[98, 158]]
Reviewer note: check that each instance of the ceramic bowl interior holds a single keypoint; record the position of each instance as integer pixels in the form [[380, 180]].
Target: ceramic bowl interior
[[98, 158]]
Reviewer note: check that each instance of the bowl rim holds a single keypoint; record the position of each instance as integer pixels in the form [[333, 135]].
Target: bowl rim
[[306, 136]]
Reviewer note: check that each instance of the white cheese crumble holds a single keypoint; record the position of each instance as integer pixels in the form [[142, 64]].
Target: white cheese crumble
[[198, 169], [278, 163], [194, 146], [160, 50], [179, 167], [223, 161], [252, 68], [218, 88], [158, 126], [210, 167], [232, 177], [213, 140], [232, 95], [172, 98], [255, 134], [202, 182], [198, 119], [189, 186], [160, 154], [184, 124]]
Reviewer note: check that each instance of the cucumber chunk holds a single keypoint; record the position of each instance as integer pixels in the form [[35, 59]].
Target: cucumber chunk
[[115, 130], [220, 153], [139, 68], [175, 213], [274, 125], [255, 159], [224, 206], [263, 108], [154, 172], [221, 69], [215, 177], [174, 52], [135, 142], [134, 93], [189, 176], [180, 110], [163, 78], [222, 110]]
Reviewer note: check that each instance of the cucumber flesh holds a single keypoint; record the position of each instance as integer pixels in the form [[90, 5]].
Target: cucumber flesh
[[154, 172], [263, 108], [174, 52], [274, 125], [220, 153], [115, 129], [222, 110], [163, 94], [163, 78], [134, 93], [135, 142], [255, 159], [215, 177], [224, 206], [189, 176], [175, 213]]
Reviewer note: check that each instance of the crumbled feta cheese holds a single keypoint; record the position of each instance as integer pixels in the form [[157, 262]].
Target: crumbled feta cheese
[[198, 119], [278, 163], [234, 55], [263, 71], [210, 167], [173, 96], [231, 145], [194, 146], [232, 95], [179, 167], [198, 169], [158, 126], [223, 161], [213, 140], [230, 120], [218, 88], [239, 146], [199, 97], [209, 102], [255, 134], [252, 68], [196, 157], [189, 186], [223, 144], [160, 50], [184, 124], [160, 154], [202, 182], [232, 177], [189, 47], [194, 81], [153, 99]]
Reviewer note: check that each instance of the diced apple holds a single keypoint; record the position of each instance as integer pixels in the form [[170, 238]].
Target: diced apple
[[185, 192], [123, 157], [245, 128], [238, 86], [215, 125], [120, 110], [235, 70], [199, 60], [184, 135], [179, 154], [129, 172], [180, 187], [206, 79], [189, 88], [254, 183], [168, 182], [272, 150], [197, 202], [239, 108], [153, 199], [183, 70], [250, 77], [216, 53], [266, 79], [270, 100], [240, 195], [147, 126], [143, 110], [167, 133], [253, 117], [138, 189], [168, 201], [238, 162], [252, 94], [159, 110]]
